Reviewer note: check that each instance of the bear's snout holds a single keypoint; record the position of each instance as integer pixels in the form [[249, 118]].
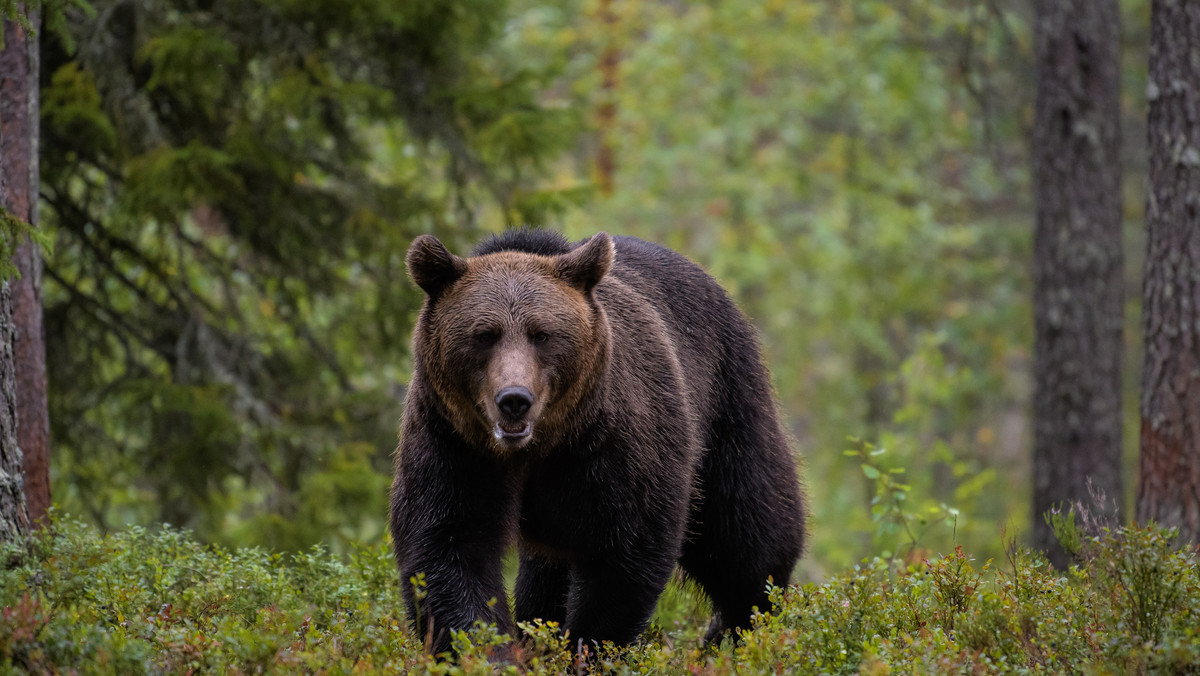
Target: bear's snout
[[514, 402], [513, 430]]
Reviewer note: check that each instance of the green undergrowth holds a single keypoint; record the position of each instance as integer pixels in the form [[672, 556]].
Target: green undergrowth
[[157, 601]]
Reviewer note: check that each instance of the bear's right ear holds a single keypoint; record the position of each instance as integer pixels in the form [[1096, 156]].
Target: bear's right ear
[[432, 267]]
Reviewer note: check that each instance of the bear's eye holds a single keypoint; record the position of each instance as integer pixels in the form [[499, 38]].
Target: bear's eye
[[539, 337], [487, 338]]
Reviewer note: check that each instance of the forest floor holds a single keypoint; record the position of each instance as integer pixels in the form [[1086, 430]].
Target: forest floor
[[157, 601]]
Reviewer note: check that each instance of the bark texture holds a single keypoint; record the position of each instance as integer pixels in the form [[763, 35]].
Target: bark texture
[[18, 167], [14, 519], [606, 114], [1169, 489], [19, 164], [1077, 261]]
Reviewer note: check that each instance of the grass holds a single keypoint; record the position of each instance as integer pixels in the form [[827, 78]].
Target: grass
[[157, 601]]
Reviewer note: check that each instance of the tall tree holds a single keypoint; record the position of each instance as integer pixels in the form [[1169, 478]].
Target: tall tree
[[18, 197], [1169, 488], [20, 149], [1077, 294]]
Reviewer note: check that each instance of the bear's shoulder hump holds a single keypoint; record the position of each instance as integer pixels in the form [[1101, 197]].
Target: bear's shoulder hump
[[527, 240]]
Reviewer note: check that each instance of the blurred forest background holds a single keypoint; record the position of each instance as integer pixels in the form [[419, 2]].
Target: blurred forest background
[[230, 189]]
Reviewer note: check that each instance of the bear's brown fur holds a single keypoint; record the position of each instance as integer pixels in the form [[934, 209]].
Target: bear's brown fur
[[604, 405]]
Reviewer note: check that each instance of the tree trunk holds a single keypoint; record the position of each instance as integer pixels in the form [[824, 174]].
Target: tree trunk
[[14, 519], [606, 115], [1169, 490], [1077, 297], [18, 163], [18, 334]]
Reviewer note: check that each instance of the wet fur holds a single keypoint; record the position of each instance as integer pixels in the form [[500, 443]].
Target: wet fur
[[658, 441]]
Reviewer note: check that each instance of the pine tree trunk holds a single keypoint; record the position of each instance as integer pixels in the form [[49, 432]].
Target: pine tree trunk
[[1169, 490], [14, 519], [18, 166], [18, 150], [606, 115], [1077, 261]]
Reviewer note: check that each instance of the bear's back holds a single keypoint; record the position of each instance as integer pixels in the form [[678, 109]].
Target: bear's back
[[714, 342]]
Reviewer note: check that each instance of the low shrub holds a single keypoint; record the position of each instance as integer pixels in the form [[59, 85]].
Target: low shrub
[[156, 601]]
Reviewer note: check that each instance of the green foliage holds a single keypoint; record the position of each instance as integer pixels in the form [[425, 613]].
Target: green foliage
[[946, 616], [892, 510], [1065, 531], [13, 231], [13, 10], [142, 601], [231, 188], [54, 16], [1144, 565], [159, 602]]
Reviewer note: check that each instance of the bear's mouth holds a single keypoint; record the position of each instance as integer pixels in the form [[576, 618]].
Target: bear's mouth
[[512, 431]]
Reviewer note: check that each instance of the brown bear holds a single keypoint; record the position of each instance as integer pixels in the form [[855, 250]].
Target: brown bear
[[605, 405]]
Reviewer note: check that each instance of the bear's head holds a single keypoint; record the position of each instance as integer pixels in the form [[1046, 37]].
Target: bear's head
[[511, 342]]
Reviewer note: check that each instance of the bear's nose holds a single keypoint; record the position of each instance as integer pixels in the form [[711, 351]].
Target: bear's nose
[[514, 402]]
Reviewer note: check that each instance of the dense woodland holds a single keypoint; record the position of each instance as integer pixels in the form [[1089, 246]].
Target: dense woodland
[[230, 193], [935, 212]]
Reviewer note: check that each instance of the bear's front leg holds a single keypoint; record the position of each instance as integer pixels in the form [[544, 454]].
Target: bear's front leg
[[452, 518], [541, 591], [614, 600], [456, 593]]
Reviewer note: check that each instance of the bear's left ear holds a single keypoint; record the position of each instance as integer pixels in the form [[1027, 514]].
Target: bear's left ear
[[584, 267], [432, 267]]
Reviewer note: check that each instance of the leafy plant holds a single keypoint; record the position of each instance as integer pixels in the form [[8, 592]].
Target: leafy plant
[[156, 601], [892, 510]]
